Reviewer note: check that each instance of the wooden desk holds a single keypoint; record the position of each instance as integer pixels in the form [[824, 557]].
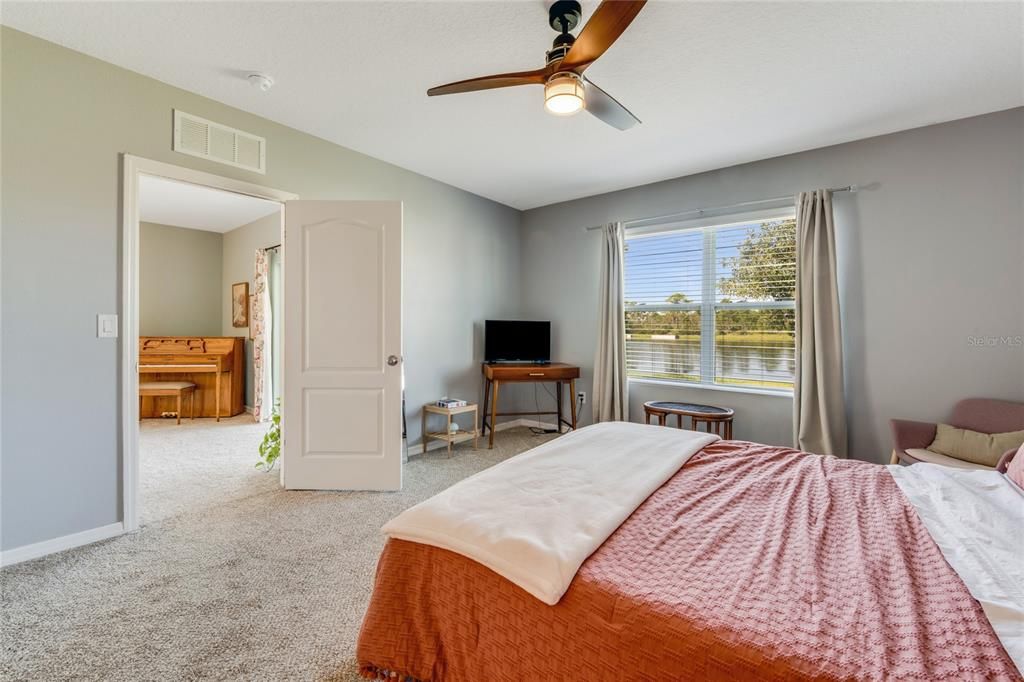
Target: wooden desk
[[497, 374]]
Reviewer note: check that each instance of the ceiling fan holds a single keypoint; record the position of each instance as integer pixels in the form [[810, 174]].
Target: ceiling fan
[[566, 89]]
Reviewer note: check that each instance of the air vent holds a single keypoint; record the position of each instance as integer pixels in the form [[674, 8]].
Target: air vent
[[197, 136]]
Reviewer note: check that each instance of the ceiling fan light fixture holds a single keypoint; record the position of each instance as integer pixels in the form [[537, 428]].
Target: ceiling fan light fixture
[[563, 94]]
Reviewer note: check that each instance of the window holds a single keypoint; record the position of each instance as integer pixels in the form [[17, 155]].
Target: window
[[713, 304]]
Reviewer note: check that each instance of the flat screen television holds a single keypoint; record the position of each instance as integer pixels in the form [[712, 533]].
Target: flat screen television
[[517, 341]]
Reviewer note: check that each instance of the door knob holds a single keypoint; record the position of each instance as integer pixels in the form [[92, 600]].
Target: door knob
[[394, 360]]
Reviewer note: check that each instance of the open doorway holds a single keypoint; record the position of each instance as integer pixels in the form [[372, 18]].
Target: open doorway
[[339, 353], [208, 265], [203, 309]]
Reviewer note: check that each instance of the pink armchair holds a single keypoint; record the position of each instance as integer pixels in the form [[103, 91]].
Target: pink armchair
[[911, 439]]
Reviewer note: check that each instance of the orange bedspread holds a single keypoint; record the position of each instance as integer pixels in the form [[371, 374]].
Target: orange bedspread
[[752, 562]]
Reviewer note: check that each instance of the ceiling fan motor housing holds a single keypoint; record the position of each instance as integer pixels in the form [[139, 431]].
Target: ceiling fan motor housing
[[557, 53]]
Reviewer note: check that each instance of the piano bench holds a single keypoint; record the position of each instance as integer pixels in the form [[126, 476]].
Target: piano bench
[[175, 389]]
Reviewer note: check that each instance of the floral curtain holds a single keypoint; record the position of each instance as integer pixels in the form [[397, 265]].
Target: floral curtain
[[262, 330]]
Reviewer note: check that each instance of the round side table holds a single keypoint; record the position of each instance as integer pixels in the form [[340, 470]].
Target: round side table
[[715, 419]]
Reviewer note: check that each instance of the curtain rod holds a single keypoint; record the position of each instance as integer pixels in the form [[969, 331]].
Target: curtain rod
[[701, 211]]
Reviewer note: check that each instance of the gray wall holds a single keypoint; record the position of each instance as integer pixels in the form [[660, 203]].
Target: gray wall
[[930, 255], [179, 281], [66, 119], [240, 247]]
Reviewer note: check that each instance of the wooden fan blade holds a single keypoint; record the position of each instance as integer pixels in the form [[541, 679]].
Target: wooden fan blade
[[608, 22], [607, 108], [502, 80]]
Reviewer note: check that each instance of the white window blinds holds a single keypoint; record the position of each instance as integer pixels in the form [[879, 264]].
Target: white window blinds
[[713, 304]]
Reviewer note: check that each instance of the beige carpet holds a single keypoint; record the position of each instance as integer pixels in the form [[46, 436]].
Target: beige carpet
[[230, 577]]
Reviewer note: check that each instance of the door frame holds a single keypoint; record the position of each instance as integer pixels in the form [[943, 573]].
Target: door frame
[[131, 168]]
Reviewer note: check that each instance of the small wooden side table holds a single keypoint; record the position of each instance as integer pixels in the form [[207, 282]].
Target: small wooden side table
[[715, 419], [447, 435]]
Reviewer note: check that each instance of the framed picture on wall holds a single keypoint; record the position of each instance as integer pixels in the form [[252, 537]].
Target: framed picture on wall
[[240, 304]]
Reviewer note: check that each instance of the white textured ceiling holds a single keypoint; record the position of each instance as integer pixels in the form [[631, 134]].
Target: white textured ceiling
[[715, 84], [183, 204]]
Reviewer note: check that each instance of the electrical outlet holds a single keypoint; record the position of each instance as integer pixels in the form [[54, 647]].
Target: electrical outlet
[[581, 396]]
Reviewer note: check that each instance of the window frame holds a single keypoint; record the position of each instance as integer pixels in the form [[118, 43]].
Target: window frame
[[709, 223]]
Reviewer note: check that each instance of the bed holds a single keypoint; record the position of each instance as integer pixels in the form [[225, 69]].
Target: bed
[[747, 562]]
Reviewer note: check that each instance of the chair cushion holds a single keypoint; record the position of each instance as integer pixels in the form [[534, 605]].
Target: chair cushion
[[923, 455], [974, 446], [165, 385]]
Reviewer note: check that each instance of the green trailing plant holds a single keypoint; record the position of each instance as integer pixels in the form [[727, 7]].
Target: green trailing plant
[[270, 448]]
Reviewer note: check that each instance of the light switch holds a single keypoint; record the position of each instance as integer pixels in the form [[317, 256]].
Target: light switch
[[106, 326]]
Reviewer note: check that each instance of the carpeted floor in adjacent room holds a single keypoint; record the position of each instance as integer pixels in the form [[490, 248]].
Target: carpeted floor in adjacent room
[[230, 577]]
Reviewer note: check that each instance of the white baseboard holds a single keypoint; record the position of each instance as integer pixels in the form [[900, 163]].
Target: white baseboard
[[39, 549], [249, 409], [417, 449]]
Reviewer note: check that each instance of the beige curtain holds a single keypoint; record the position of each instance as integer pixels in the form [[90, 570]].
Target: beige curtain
[[610, 399], [262, 331], [819, 409]]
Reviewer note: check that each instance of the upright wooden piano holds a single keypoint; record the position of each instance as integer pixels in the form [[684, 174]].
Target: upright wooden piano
[[215, 364]]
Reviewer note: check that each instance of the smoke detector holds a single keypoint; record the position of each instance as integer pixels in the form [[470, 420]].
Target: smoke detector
[[261, 81]]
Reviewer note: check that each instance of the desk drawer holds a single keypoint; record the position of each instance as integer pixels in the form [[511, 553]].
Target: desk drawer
[[539, 373]]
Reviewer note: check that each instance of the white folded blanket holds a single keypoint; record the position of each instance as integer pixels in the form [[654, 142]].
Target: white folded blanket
[[535, 518]]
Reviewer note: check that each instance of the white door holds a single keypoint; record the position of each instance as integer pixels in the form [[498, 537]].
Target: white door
[[342, 407]]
